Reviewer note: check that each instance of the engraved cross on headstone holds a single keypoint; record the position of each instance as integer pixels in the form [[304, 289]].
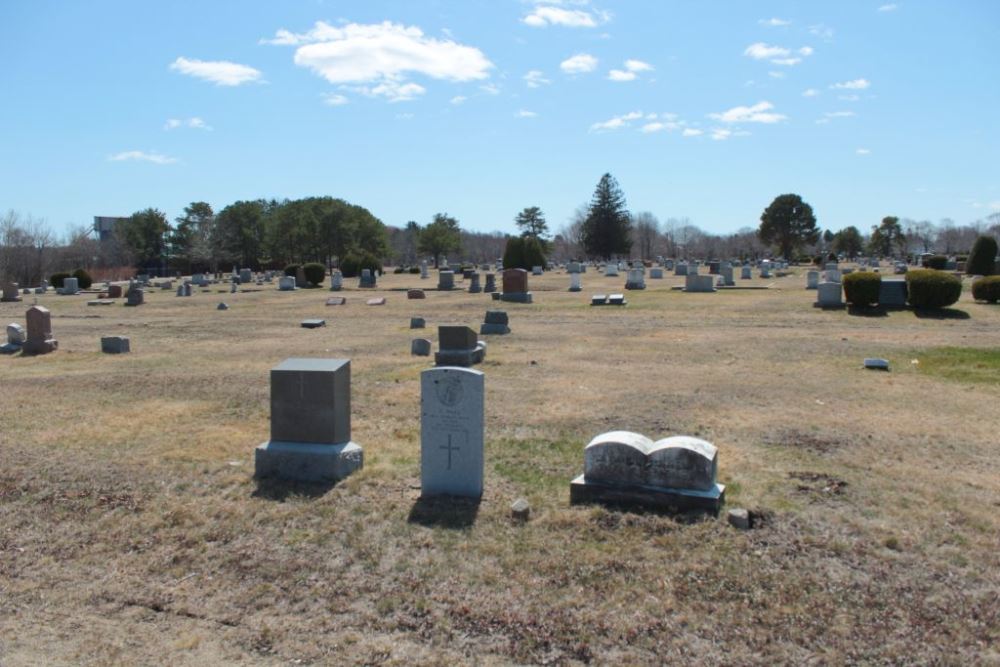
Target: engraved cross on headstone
[[449, 448]]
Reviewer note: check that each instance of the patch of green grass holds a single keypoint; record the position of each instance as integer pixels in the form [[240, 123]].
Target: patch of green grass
[[538, 464], [962, 364]]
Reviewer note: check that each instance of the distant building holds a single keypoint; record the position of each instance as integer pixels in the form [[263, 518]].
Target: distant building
[[104, 226]]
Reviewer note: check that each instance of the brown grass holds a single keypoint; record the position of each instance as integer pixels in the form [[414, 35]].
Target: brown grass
[[132, 532]]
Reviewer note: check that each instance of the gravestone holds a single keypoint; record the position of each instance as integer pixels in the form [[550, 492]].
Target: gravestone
[[892, 294], [420, 347], [496, 322], [695, 283], [536, 270], [676, 474], [474, 287], [656, 274], [832, 276], [222, 306], [114, 291], [336, 301], [573, 267], [336, 280], [692, 269], [599, 300], [417, 323], [246, 276], [286, 283], [415, 294], [300, 277], [713, 268], [115, 344], [726, 271], [452, 402], [232, 288], [574, 282], [70, 286], [446, 280], [377, 301], [828, 295], [15, 334], [680, 269], [635, 280], [765, 269], [423, 270], [367, 278], [199, 279], [11, 293], [39, 339], [136, 297], [812, 279], [458, 346], [491, 283], [746, 273], [312, 324], [610, 270], [515, 286], [310, 423]]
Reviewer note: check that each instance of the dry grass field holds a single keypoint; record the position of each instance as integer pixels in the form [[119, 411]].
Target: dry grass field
[[132, 531]]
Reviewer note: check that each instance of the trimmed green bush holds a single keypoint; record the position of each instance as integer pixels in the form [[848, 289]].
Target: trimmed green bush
[[936, 262], [414, 270], [352, 264], [83, 278], [928, 288], [861, 288], [292, 270], [513, 253], [315, 273], [982, 259], [987, 289], [56, 279], [398, 270]]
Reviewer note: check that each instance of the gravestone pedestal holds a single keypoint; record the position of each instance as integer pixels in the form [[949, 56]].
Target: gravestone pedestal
[[310, 423]]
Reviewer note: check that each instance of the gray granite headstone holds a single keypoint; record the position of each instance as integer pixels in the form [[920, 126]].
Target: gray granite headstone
[[892, 294], [336, 281], [420, 347], [812, 279], [417, 323], [39, 339], [828, 295], [15, 334], [115, 344], [635, 279], [746, 273], [446, 280], [575, 282], [286, 283], [70, 286], [491, 283], [246, 276], [452, 402], [696, 283]]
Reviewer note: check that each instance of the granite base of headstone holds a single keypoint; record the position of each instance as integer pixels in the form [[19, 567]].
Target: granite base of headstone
[[452, 402], [676, 474], [496, 323], [310, 423], [115, 344]]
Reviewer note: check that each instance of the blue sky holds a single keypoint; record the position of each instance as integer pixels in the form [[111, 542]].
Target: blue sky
[[482, 107]]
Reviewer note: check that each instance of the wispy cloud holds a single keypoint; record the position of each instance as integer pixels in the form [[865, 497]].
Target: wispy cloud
[[219, 72], [524, 113], [691, 132], [379, 58], [621, 75], [721, 134], [833, 115], [616, 122], [891, 7], [778, 55], [810, 92], [458, 99], [774, 22], [758, 113], [631, 70], [856, 84], [536, 79], [334, 100], [141, 156], [194, 123], [544, 14], [863, 151], [581, 63], [822, 31]]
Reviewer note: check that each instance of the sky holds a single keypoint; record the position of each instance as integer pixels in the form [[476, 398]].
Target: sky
[[479, 108]]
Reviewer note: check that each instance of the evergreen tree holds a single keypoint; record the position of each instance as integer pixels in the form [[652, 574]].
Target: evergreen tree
[[982, 259], [531, 222], [442, 235], [607, 228], [788, 223]]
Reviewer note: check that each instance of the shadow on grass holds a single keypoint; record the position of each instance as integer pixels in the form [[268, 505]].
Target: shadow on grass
[[444, 512], [940, 314], [867, 311], [282, 489]]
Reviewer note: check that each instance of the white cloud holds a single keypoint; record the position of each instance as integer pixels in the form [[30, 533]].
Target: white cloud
[[821, 30], [194, 123], [458, 99], [549, 13], [863, 151], [776, 75], [524, 113], [404, 116], [141, 156], [536, 79], [840, 114], [616, 122], [490, 88], [774, 22], [581, 63], [621, 75], [778, 55], [758, 113], [691, 132], [334, 100], [172, 123], [219, 72], [810, 92], [856, 84], [891, 7], [383, 55], [721, 134], [849, 98], [655, 126], [633, 65]]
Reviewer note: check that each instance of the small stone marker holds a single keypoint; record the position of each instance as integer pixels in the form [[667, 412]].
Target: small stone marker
[[574, 282], [222, 306], [726, 271], [70, 286], [336, 280], [446, 280], [877, 364], [417, 323], [136, 297], [828, 295], [378, 301], [599, 300], [115, 344], [420, 347], [746, 273], [536, 270], [300, 277], [474, 287], [367, 278], [635, 279], [611, 270], [617, 300], [246, 276], [812, 279], [313, 324], [676, 473], [336, 301], [11, 293], [656, 274], [115, 292], [458, 346], [423, 270], [415, 294], [681, 269], [452, 402], [310, 423], [491, 283], [496, 323], [739, 518], [520, 510], [39, 339], [15, 334], [286, 283]]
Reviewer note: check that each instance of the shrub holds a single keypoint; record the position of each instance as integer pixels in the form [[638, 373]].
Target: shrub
[[987, 289], [315, 273], [928, 288], [818, 260], [398, 270], [832, 257], [353, 263], [861, 288], [292, 270], [83, 278], [56, 279], [936, 262], [534, 254], [982, 259], [414, 270], [513, 253]]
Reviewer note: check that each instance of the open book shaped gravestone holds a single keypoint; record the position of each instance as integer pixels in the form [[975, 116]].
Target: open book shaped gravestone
[[675, 474]]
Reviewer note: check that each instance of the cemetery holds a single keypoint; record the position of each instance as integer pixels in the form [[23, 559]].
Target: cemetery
[[483, 492]]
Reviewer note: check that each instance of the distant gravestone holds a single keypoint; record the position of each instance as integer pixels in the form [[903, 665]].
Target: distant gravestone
[[336, 280], [312, 324], [832, 275], [300, 277], [415, 294], [70, 286], [115, 345], [812, 279], [11, 293], [458, 346], [136, 297], [286, 283], [496, 322], [310, 423], [446, 280], [610, 270], [420, 347], [367, 278], [536, 270], [39, 339], [573, 267], [423, 270], [635, 279], [617, 300], [677, 473], [828, 295], [695, 283], [892, 294], [599, 300], [474, 287], [15, 334], [491, 283], [222, 306], [515, 286], [746, 273], [377, 301], [656, 274], [114, 291], [417, 323], [713, 268], [246, 276], [452, 402], [726, 271], [574, 282], [680, 269], [336, 301]]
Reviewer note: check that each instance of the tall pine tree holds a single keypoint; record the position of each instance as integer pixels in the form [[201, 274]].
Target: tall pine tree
[[607, 230]]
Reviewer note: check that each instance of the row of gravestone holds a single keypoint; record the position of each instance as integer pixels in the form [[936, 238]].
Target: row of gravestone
[[311, 441]]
